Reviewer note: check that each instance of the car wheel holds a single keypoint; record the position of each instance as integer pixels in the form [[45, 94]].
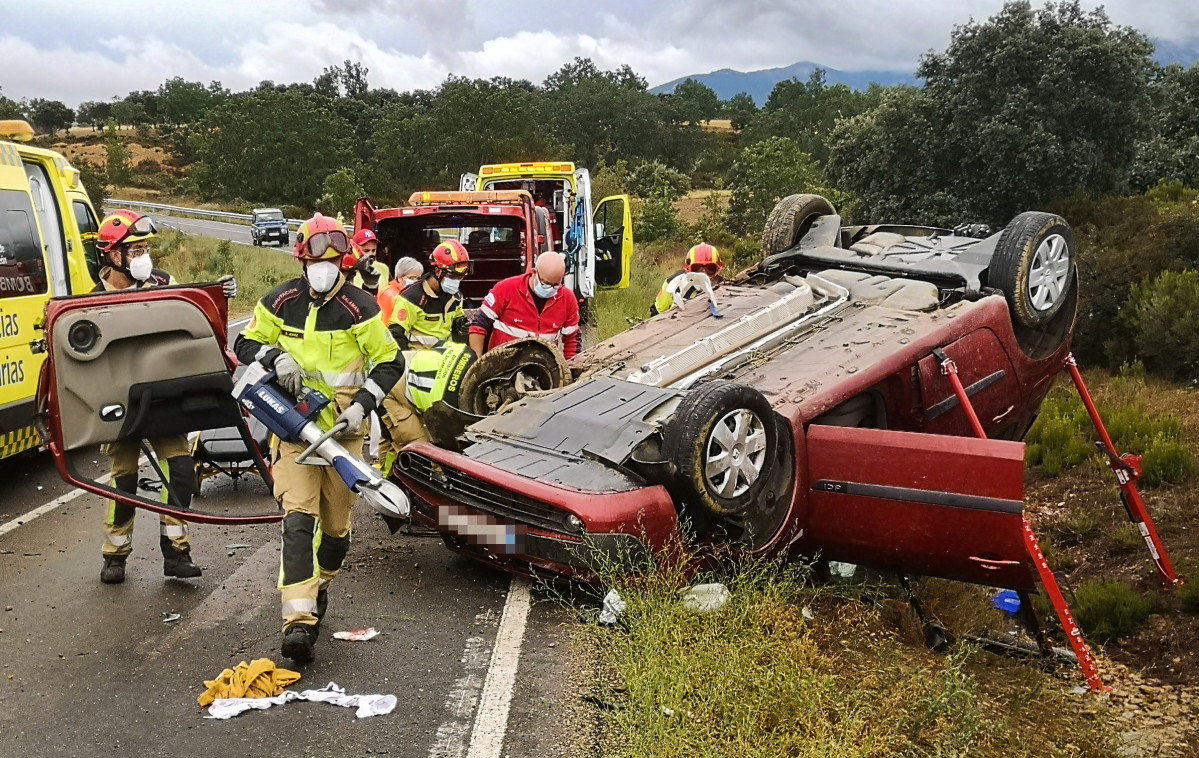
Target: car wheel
[[1034, 266], [722, 441], [790, 220]]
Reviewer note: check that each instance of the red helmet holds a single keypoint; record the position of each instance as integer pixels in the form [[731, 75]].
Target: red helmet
[[364, 236], [704, 257], [321, 238], [123, 227], [451, 255]]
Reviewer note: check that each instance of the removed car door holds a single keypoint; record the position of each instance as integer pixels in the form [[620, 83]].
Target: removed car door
[[137, 366]]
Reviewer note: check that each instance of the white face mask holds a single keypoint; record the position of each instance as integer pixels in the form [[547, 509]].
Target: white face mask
[[322, 276], [543, 290], [140, 267], [450, 286]]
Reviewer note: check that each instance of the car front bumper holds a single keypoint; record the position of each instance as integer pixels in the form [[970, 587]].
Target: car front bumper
[[524, 525]]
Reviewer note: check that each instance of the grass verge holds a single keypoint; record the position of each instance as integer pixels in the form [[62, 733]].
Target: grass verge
[[788, 670], [203, 259]]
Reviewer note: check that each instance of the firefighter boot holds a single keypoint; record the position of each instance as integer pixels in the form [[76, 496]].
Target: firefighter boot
[[178, 563], [114, 569], [299, 641]]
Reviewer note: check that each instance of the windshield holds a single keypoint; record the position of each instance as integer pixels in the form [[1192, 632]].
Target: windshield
[[269, 216]]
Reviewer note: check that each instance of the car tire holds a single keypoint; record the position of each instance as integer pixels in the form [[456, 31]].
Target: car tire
[[1034, 266], [790, 221], [722, 441]]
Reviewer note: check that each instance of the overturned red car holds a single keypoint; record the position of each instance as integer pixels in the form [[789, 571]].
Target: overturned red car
[[813, 417]]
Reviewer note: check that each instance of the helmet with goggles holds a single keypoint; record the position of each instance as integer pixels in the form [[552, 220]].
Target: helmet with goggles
[[321, 238], [123, 228], [704, 257], [451, 257]]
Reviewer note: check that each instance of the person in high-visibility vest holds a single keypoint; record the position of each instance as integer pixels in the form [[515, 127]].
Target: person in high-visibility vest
[[124, 241], [432, 374], [425, 312], [702, 258], [408, 271], [319, 332]]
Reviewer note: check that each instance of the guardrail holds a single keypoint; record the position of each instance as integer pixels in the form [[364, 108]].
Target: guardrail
[[177, 209]]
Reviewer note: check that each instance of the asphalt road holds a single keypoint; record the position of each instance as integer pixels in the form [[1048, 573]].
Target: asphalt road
[[88, 669]]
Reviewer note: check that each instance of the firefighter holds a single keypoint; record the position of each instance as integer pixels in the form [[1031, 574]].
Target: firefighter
[[426, 311], [533, 304], [703, 258], [359, 265], [318, 331], [407, 271], [432, 374], [124, 240]]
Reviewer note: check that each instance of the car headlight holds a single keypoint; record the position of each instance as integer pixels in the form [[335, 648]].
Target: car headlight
[[575, 524]]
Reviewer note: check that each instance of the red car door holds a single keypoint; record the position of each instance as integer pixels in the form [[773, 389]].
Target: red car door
[[125, 367], [924, 504]]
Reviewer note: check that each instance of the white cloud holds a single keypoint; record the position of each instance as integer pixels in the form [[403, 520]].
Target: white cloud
[[410, 44]]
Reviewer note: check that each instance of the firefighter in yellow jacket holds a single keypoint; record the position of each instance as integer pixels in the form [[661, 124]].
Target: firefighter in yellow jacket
[[124, 240], [426, 311], [431, 375], [318, 331]]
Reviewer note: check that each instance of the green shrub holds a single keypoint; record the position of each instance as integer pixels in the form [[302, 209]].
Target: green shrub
[[653, 179], [1167, 461], [1188, 596], [1162, 321], [656, 219], [1127, 539], [1063, 436], [1108, 610]]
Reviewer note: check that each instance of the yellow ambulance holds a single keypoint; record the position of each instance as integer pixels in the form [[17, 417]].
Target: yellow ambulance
[[47, 249], [596, 238]]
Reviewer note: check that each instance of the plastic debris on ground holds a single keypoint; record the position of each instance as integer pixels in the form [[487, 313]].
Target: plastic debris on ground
[[807, 613], [357, 635], [842, 572], [366, 705], [169, 618], [613, 609], [1007, 601], [706, 598], [257, 679]]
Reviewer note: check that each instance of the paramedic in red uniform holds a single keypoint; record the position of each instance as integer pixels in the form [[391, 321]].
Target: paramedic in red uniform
[[533, 304]]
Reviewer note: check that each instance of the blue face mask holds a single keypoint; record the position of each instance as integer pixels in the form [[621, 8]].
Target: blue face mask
[[449, 285], [545, 291]]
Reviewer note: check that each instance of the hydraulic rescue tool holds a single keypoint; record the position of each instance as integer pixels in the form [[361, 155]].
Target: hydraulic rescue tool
[[295, 421]]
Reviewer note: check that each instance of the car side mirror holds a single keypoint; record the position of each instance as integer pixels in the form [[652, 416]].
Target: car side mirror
[[599, 230]]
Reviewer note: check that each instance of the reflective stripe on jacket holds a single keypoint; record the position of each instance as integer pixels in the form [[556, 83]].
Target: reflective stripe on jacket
[[509, 313], [339, 342], [436, 374], [422, 318]]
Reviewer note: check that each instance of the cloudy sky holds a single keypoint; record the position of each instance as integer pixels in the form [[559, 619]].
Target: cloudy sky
[[77, 50]]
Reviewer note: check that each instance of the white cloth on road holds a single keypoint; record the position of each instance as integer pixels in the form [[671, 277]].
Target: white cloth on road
[[367, 705]]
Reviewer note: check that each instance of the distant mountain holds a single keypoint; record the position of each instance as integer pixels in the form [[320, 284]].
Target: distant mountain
[[1168, 52], [727, 82]]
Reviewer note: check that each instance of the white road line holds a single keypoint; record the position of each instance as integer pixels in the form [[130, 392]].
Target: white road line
[[487, 739], [454, 733], [241, 321], [50, 506]]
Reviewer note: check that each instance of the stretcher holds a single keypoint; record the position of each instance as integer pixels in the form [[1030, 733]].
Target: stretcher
[[223, 451]]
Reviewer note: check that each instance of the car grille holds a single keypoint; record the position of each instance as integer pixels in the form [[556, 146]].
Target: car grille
[[481, 495]]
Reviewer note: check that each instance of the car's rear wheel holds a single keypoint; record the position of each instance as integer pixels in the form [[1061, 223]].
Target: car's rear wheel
[[790, 220], [1034, 266], [722, 441]]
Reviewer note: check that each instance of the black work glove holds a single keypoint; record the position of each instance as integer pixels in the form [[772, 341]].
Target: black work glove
[[366, 269], [460, 329]]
